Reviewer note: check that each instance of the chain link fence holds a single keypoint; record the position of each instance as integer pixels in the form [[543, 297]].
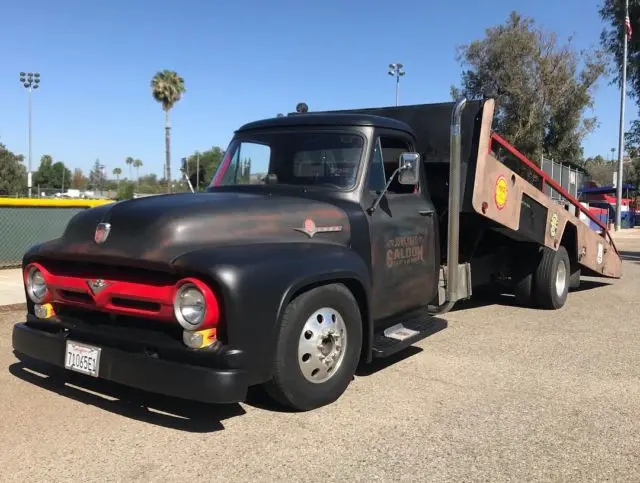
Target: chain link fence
[[569, 177], [24, 223], [566, 175]]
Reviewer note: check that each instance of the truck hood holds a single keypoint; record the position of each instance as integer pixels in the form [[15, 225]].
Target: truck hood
[[158, 229]]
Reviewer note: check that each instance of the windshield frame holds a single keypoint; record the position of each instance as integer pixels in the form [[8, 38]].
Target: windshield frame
[[257, 137]]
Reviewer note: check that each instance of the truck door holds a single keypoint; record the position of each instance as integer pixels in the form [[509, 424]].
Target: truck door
[[402, 235]]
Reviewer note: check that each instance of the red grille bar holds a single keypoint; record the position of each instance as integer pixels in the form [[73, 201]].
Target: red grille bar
[[116, 296]]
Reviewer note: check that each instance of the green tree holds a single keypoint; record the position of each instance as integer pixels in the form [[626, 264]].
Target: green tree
[[167, 88], [52, 175], [244, 173], [117, 172], [611, 38], [78, 180], [613, 13], [125, 191], [600, 170], [44, 174], [13, 174], [129, 161], [137, 164], [97, 176], [631, 172], [61, 176], [541, 89], [148, 184], [201, 171]]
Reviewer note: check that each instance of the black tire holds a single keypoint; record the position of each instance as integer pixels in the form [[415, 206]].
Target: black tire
[[289, 386], [547, 297]]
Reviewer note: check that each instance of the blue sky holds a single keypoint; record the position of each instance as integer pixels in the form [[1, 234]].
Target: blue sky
[[241, 60]]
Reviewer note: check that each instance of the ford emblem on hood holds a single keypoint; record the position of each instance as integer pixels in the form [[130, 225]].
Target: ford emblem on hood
[[102, 232]]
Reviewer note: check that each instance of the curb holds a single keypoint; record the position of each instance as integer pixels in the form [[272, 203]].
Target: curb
[[12, 308]]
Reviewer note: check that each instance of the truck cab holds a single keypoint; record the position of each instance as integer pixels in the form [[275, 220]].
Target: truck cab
[[367, 166]]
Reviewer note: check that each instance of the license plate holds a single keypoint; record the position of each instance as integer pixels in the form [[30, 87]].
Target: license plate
[[82, 358]]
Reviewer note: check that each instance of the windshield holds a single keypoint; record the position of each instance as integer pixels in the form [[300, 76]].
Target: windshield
[[292, 158]]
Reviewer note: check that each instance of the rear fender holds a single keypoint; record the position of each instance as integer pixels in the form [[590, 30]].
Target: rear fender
[[258, 281]]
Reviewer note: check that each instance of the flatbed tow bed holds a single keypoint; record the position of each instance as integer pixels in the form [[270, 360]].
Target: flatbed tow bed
[[325, 240], [494, 191]]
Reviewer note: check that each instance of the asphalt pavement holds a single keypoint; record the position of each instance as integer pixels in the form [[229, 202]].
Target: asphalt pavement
[[503, 394]]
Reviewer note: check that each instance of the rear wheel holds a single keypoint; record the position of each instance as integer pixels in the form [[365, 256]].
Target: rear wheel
[[552, 278], [318, 348]]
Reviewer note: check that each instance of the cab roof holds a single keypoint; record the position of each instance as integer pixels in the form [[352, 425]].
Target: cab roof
[[328, 119]]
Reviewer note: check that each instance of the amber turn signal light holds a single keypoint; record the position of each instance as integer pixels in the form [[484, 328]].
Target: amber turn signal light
[[199, 339], [44, 311]]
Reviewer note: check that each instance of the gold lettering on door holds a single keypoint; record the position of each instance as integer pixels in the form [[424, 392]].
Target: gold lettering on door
[[405, 250]]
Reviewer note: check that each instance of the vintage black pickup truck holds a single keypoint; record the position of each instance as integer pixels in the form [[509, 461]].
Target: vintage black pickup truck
[[325, 240]]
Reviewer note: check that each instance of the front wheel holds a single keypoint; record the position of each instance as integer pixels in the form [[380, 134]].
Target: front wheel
[[318, 348]]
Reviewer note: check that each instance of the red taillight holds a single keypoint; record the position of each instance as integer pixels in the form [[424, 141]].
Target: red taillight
[[195, 306]]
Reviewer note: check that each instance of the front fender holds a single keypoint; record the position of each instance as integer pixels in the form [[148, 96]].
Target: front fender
[[258, 281]]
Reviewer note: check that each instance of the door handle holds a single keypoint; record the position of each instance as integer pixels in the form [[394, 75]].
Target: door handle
[[425, 212]]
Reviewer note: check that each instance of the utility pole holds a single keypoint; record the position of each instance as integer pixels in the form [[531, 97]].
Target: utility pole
[[185, 169], [197, 171], [396, 70], [626, 33], [30, 81]]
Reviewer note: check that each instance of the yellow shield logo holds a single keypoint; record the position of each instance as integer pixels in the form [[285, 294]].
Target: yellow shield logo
[[502, 192]]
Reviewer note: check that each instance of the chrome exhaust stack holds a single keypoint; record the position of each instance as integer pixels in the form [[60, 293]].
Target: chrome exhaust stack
[[454, 272]]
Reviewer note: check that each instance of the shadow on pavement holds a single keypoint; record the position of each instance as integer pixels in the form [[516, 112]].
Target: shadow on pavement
[[630, 256], [508, 300], [150, 408], [484, 299], [377, 365], [589, 285]]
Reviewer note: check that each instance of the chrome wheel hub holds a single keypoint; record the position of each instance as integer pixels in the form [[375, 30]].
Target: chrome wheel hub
[[561, 278], [322, 345]]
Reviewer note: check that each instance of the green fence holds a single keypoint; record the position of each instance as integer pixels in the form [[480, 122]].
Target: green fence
[[26, 222]]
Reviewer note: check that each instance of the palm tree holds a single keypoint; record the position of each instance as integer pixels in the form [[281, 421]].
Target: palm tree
[[129, 162], [167, 88], [137, 164], [117, 172]]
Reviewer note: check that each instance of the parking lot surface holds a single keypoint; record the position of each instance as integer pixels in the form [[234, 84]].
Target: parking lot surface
[[503, 394]]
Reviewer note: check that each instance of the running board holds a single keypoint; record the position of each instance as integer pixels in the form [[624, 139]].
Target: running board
[[404, 334]]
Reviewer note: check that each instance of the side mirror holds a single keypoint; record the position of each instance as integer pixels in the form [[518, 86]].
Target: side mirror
[[409, 168]]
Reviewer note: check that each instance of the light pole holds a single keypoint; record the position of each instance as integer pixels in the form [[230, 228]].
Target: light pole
[[396, 70], [626, 36], [197, 170], [30, 81]]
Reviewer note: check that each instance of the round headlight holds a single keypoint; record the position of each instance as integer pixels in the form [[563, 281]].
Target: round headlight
[[189, 306], [36, 286]]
